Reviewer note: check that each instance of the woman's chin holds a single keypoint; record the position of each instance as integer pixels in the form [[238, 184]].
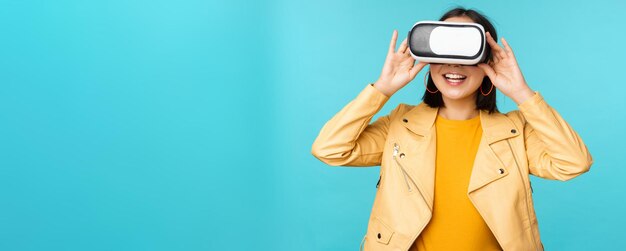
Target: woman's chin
[[454, 94]]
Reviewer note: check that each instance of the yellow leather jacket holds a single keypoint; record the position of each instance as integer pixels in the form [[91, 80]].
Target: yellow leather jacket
[[532, 140]]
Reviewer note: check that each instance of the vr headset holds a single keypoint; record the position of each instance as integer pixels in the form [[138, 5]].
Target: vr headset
[[448, 42]]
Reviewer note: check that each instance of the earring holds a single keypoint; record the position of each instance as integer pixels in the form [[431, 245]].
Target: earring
[[426, 82], [485, 94]]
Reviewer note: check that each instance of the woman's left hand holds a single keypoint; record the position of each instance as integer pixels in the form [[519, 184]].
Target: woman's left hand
[[505, 73]]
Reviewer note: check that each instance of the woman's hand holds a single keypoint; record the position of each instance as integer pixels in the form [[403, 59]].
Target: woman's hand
[[399, 68], [505, 73]]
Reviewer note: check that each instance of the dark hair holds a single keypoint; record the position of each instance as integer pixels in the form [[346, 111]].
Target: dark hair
[[488, 102]]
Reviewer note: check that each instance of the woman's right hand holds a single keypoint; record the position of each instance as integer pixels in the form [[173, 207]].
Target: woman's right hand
[[399, 68]]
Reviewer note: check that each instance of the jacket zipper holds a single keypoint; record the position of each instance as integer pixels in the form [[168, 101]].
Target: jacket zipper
[[525, 194], [396, 149]]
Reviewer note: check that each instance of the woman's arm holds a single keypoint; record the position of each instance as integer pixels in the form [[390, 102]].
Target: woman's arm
[[348, 139], [554, 150]]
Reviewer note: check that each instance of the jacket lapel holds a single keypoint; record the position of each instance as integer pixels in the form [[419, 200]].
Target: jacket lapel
[[488, 167]]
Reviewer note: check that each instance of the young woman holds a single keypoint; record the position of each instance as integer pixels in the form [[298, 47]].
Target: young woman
[[454, 170]]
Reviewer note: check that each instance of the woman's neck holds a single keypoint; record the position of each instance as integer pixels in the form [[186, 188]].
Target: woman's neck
[[459, 109]]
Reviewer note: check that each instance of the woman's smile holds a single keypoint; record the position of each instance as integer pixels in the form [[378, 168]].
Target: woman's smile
[[454, 78]]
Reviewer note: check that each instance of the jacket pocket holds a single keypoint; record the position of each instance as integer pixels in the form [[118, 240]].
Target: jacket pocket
[[381, 232]]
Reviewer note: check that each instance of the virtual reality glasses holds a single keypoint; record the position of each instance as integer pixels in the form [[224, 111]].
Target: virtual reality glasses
[[448, 42]]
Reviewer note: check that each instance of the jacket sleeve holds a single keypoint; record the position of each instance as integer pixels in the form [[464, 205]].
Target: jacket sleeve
[[348, 139], [554, 150]]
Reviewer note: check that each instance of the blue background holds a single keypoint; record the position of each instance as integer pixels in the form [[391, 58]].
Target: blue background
[[187, 125]]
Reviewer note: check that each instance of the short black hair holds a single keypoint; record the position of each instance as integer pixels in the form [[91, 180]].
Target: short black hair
[[488, 102]]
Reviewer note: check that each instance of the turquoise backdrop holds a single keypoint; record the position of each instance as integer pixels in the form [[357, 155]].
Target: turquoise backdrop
[[187, 125]]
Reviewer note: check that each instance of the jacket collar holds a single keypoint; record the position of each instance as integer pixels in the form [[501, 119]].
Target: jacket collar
[[496, 126]]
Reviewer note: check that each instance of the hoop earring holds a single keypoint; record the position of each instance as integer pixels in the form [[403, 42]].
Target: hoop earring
[[426, 82], [481, 90]]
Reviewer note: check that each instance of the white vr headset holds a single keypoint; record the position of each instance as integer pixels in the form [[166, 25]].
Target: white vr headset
[[448, 42]]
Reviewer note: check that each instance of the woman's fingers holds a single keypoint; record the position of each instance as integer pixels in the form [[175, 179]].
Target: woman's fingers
[[498, 51], [416, 69], [403, 46], [407, 51], [488, 70], [392, 44], [495, 58], [494, 45], [507, 48]]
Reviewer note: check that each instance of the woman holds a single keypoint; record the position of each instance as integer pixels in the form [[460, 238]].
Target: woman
[[454, 170]]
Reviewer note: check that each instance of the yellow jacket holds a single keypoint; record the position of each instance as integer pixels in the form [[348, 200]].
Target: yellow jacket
[[532, 140]]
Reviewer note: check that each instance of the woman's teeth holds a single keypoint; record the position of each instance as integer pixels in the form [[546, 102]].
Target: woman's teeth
[[454, 78]]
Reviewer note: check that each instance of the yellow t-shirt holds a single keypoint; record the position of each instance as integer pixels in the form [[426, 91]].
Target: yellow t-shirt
[[455, 224]]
